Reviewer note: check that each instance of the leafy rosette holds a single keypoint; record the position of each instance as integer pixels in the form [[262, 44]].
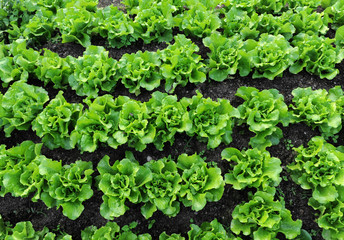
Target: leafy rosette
[[262, 111], [269, 6], [263, 218], [99, 124], [238, 21], [274, 25], [135, 125], [226, 57], [121, 182], [93, 71], [115, 27], [40, 27], [294, 4], [320, 167], [67, 186], [55, 122], [53, 69], [20, 105], [331, 217], [170, 116], [212, 121], [10, 72], [14, 17], [245, 5], [25, 230], [253, 168], [16, 62], [200, 183], [140, 70], [161, 193], [24, 179], [18, 170], [173, 236], [210, 230], [181, 64], [317, 55], [319, 108], [76, 25], [270, 56], [154, 21], [198, 21], [24, 59], [336, 12], [309, 22], [111, 230]]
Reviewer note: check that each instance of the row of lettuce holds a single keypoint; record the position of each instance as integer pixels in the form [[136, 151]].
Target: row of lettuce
[[163, 184], [25, 230], [177, 64], [150, 20], [118, 121], [265, 45]]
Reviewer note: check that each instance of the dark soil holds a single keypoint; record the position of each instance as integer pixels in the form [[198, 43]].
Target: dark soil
[[22, 209]]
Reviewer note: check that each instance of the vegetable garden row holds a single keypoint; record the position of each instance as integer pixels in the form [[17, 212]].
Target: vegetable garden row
[[255, 38]]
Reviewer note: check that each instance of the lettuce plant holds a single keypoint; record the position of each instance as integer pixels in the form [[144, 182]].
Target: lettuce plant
[[319, 167], [99, 123], [55, 122], [294, 4], [209, 230], [25, 230], [120, 182], [319, 108], [53, 69], [10, 72], [198, 21], [76, 25], [339, 38], [226, 57], [154, 21], [140, 70], [270, 56], [93, 71], [20, 105], [317, 55], [23, 179], [262, 111], [238, 21], [180, 64], [173, 236], [331, 217], [200, 183], [170, 116], [253, 168], [270, 6], [111, 230], [17, 62], [212, 121], [67, 186], [18, 170], [274, 25], [309, 22], [14, 16], [161, 193], [116, 27], [135, 125], [40, 28], [336, 13], [245, 5], [24, 59], [263, 217]]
